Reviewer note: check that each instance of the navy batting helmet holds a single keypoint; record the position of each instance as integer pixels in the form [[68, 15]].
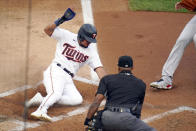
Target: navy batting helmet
[[87, 32]]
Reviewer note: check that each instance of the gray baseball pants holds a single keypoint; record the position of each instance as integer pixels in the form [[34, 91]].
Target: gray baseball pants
[[116, 121], [187, 35]]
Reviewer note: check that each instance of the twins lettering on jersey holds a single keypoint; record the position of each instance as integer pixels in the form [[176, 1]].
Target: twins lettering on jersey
[[72, 54]]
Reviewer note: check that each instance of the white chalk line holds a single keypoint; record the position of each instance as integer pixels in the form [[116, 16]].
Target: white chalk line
[[25, 87], [174, 111], [11, 92], [91, 82], [83, 109], [36, 124], [75, 112], [87, 12]]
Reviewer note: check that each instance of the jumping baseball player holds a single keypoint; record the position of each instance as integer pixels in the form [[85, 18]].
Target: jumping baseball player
[[72, 52], [186, 37]]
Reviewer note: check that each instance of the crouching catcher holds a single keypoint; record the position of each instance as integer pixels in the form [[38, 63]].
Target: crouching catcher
[[124, 95]]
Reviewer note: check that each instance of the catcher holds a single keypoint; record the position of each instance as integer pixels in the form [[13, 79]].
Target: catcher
[[72, 52], [124, 95], [187, 36]]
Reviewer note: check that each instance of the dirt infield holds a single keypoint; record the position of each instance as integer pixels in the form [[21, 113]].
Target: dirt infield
[[147, 36]]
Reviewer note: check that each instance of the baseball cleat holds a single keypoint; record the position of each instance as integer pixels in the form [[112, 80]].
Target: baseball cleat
[[161, 84], [38, 115], [36, 100]]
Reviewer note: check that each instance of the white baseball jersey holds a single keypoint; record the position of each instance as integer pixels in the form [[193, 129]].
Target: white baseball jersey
[[70, 54], [59, 84]]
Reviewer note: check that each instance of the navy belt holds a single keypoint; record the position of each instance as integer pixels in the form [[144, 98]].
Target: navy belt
[[66, 70], [118, 109]]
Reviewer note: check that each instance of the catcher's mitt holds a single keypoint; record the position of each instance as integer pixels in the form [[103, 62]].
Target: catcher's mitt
[[189, 4]]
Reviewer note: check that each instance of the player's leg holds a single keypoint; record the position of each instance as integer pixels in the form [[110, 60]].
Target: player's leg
[[71, 95], [39, 94], [185, 38], [54, 80]]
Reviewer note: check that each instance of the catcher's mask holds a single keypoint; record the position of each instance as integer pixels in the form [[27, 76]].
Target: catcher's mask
[[87, 32]]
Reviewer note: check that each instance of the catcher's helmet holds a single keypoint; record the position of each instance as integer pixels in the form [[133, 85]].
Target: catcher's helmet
[[87, 32]]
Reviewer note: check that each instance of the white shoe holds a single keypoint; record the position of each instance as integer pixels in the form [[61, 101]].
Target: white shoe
[[35, 101], [39, 115], [161, 84]]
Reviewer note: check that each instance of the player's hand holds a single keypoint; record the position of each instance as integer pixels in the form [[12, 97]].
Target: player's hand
[[68, 15], [87, 122], [178, 6]]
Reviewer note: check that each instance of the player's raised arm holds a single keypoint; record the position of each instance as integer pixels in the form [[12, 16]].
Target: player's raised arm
[[49, 29], [68, 15]]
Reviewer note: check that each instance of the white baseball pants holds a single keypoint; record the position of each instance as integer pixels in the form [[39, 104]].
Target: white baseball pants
[[60, 88]]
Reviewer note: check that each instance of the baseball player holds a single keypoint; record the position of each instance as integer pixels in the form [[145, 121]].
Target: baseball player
[[187, 35], [72, 52]]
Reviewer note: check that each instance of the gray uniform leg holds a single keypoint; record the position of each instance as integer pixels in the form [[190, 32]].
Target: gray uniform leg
[[115, 121], [186, 36]]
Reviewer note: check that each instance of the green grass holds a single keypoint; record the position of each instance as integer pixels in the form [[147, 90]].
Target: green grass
[[154, 5]]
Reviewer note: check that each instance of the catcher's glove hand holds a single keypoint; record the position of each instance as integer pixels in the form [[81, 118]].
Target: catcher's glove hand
[[68, 15], [87, 122]]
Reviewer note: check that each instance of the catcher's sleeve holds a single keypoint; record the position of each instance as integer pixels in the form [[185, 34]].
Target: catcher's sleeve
[[189, 4]]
